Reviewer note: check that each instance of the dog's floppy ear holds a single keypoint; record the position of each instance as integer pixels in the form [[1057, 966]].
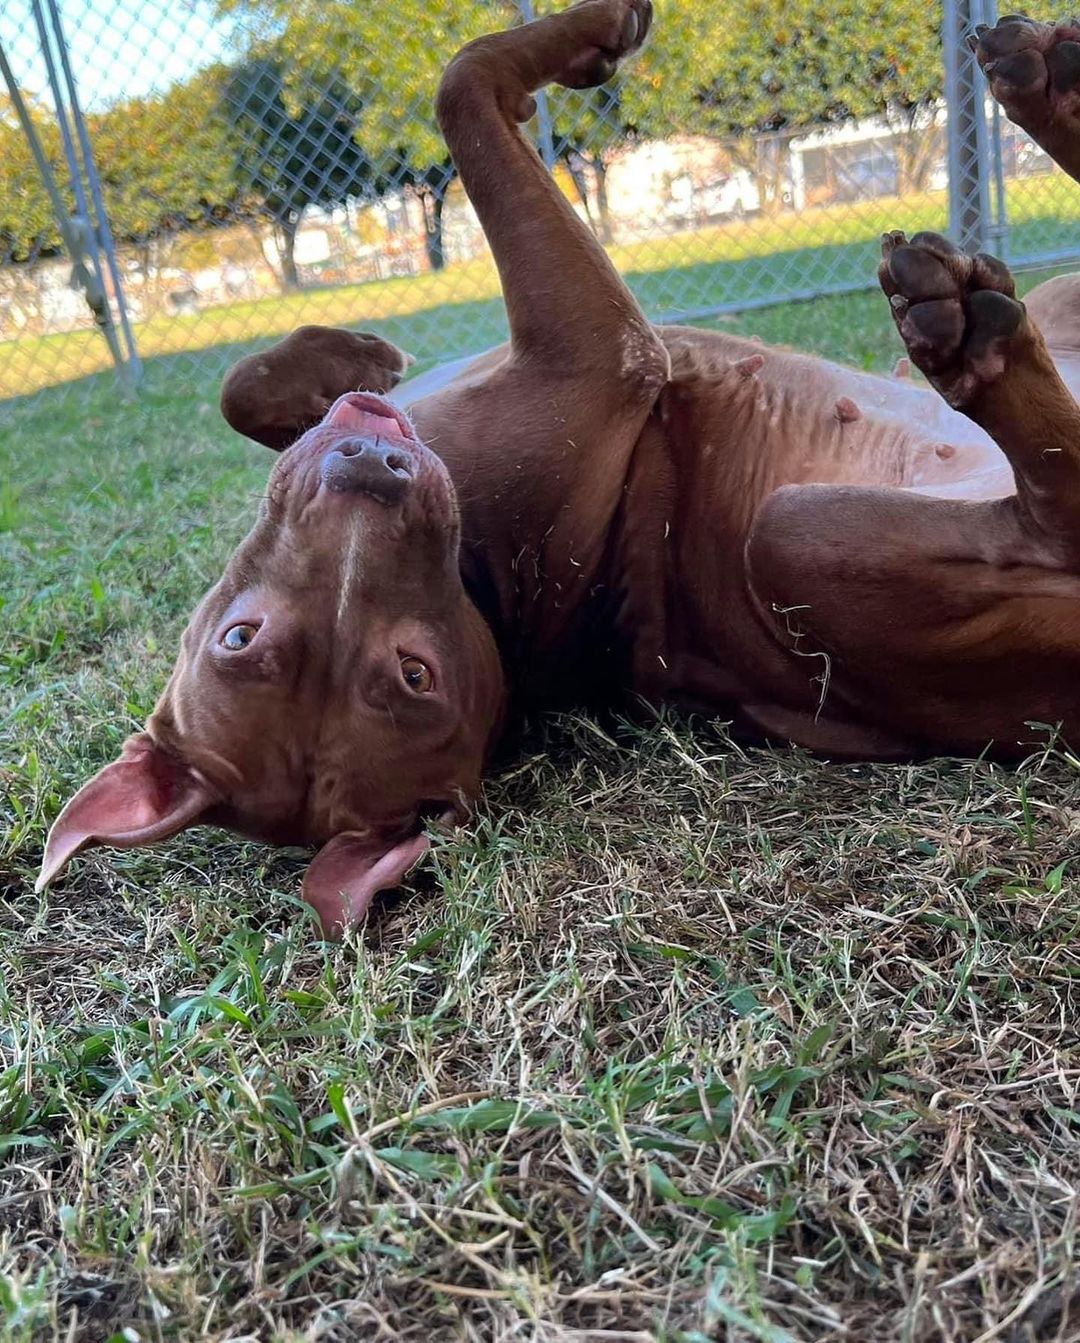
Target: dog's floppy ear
[[275, 395], [348, 872], [145, 796]]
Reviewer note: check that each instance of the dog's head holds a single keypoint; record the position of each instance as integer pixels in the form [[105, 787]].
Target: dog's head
[[336, 687]]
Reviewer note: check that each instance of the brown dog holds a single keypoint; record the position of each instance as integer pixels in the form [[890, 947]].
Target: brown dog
[[821, 555]]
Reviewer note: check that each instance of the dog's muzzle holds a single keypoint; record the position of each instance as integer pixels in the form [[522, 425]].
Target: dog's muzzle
[[368, 466]]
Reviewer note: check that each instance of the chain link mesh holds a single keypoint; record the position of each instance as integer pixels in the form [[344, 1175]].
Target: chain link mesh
[[267, 164]]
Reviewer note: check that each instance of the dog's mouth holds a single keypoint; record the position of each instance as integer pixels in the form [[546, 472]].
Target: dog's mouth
[[365, 448], [366, 415], [368, 447]]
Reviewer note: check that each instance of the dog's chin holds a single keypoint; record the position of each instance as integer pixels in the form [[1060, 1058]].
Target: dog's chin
[[298, 833], [277, 832]]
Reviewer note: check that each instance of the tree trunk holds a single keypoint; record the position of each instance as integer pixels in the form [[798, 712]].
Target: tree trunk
[[287, 229], [914, 158], [575, 168], [254, 227], [764, 158], [433, 199], [769, 174], [603, 210]]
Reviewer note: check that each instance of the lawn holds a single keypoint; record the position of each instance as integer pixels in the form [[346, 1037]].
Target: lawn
[[676, 1042], [440, 316]]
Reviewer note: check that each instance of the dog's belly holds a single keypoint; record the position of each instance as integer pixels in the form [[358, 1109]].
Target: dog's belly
[[720, 440], [736, 423], [903, 433], [907, 436], [797, 419]]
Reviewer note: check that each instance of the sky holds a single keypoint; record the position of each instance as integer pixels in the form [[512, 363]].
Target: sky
[[119, 48]]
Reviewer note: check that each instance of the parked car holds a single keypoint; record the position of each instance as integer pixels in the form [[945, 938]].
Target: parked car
[[732, 194], [729, 196]]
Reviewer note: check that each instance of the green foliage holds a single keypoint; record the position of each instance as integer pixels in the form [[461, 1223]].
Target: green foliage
[[165, 160], [292, 151], [25, 214], [336, 98], [765, 66], [153, 178], [391, 58], [227, 141]]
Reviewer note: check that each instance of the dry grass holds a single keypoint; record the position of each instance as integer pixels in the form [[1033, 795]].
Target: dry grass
[[678, 1042]]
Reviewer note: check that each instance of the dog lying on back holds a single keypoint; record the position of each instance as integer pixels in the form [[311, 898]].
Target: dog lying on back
[[605, 508]]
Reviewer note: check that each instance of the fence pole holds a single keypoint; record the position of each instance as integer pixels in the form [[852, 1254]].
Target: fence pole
[[545, 133], [999, 228], [74, 231], [970, 169], [81, 235], [90, 168]]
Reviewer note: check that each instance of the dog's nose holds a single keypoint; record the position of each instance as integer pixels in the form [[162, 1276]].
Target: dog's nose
[[368, 466]]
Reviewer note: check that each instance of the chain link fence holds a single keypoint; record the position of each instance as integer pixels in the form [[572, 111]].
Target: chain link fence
[[181, 181]]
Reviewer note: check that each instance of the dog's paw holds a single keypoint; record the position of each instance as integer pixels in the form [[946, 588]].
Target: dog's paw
[[600, 34], [1033, 70], [273, 396], [957, 315]]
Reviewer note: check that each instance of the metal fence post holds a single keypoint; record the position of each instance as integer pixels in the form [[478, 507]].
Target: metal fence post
[[999, 227], [545, 134], [971, 220], [104, 232], [83, 232], [73, 229]]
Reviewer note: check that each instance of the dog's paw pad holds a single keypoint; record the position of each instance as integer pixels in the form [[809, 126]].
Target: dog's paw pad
[[1033, 69], [957, 315]]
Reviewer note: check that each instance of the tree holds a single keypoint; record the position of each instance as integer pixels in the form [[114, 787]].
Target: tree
[[166, 161], [293, 152], [27, 226], [908, 87], [224, 142], [390, 57], [761, 69], [153, 179]]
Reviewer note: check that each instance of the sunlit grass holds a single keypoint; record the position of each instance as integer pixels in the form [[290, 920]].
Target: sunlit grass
[[439, 315]]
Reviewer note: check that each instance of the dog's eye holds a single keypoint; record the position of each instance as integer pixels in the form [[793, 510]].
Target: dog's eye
[[238, 637], [416, 676]]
